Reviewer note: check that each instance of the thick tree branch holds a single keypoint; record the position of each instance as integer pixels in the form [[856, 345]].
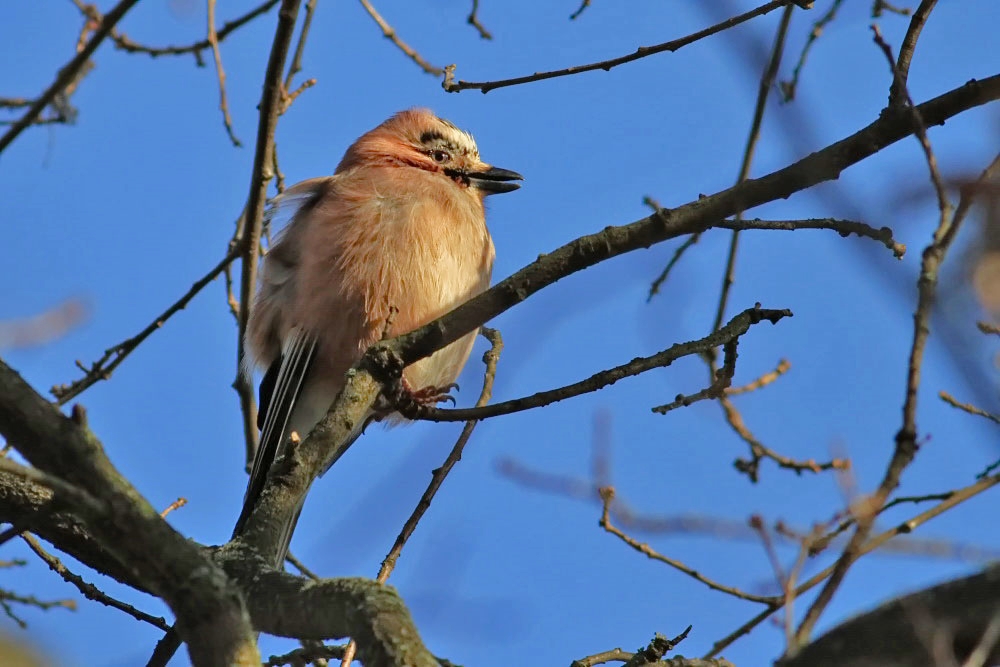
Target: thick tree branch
[[955, 614], [290, 606], [696, 216], [209, 610]]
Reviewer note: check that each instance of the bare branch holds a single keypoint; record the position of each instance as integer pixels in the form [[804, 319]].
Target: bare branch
[[390, 33], [897, 92], [452, 86], [608, 494], [788, 88], [68, 73], [213, 40], [738, 326], [906, 527], [90, 591], [968, 407], [102, 368], [490, 358], [906, 439], [124, 43], [249, 239], [473, 20]]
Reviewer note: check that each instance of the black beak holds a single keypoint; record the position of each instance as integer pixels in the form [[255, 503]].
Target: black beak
[[495, 180]]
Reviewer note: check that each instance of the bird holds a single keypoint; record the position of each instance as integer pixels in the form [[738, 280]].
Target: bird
[[394, 239]]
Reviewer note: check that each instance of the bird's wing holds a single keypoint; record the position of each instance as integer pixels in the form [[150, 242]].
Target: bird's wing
[[278, 392]]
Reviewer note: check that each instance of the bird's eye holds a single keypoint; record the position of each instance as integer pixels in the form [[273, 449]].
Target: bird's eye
[[440, 156]]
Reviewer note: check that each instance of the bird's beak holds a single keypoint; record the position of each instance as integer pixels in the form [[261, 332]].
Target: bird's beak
[[495, 180]]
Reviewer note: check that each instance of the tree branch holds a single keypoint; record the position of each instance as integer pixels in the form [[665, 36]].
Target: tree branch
[[452, 86], [209, 610], [68, 72], [738, 326]]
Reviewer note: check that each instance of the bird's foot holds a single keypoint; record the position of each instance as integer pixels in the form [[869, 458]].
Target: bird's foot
[[414, 403]]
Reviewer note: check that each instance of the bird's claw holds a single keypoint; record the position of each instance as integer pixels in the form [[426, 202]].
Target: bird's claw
[[414, 402]]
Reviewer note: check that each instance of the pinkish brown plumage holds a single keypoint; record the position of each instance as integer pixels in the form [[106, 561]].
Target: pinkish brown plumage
[[399, 225]]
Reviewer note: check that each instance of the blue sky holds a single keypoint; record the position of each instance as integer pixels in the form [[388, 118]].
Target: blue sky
[[129, 206]]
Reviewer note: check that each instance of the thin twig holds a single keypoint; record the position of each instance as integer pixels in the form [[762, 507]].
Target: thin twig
[[128, 45], [906, 438], [15, 102], [723, 380], [763, 90], [473, 20], [6, 597], [390, 33], [657, 648], [249, 244], [899, 80], [968, 407], [738, 326], [608, 494], [177, 504], [296, 65], [654, 288], [213, 40], [583, 6], [843, 227], [42, 328], [788, 88], [90, 591], [767, 378], [719, 528], [733, 416], [881, 6], [102, 368], [68, 73], [490, 358], [906, 527], [452, 86], [988, 328], [301, 567], [759, 451]]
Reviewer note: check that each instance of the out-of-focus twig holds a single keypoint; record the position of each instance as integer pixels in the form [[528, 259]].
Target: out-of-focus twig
[[968, 407], [43, 328], [473, 20], [956, 498]]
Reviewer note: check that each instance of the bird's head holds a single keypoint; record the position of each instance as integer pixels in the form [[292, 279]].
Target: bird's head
[[416, 138]]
